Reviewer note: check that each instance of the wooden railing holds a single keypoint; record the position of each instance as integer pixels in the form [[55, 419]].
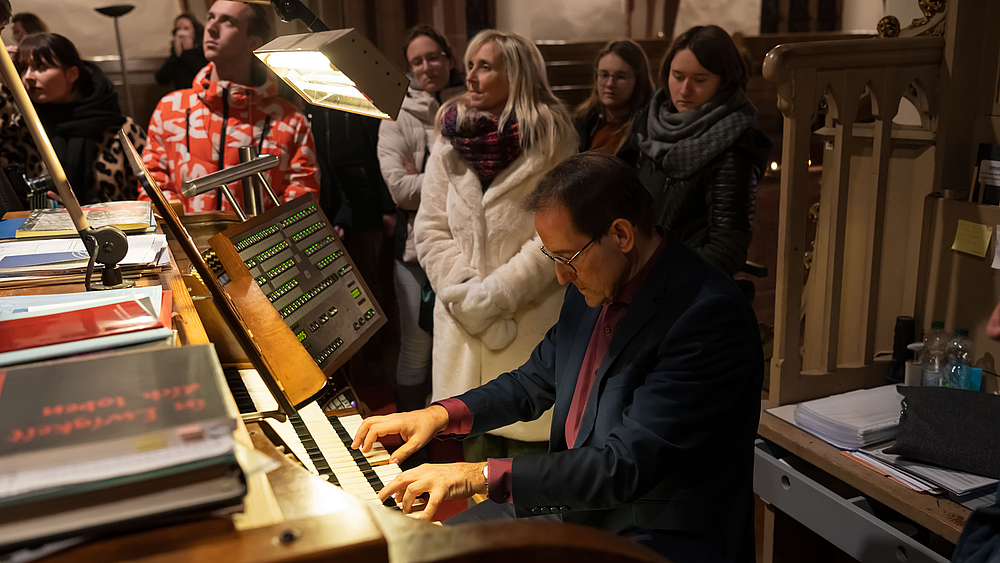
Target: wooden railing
[[864, 269]]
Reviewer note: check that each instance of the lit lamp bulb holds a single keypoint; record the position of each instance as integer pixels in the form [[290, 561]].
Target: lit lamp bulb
[[337, 69]]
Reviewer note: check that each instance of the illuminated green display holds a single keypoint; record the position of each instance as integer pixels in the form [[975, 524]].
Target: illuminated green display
[[301, 335], [356, 292]]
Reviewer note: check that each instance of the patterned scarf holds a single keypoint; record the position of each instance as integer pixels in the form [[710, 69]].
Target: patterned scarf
[[684, 142], [487, 150]]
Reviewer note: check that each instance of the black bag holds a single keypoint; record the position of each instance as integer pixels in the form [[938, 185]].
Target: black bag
[[952, 428]]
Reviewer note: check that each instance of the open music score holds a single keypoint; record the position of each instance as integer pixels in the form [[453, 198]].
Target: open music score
[[297, 260]]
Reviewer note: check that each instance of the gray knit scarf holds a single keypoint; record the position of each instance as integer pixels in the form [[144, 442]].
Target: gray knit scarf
[[684, 142]]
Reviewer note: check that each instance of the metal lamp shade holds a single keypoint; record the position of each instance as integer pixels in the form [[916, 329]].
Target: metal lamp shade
[[338, 69]]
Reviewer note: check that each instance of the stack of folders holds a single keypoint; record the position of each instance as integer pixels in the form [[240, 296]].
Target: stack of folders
[[41, 327], [113, 442], [852, 420], [959, 485], [31, 262]]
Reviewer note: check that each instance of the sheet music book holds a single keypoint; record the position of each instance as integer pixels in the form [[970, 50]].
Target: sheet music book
[[73, 416], [124, 507], [114, 442], [129, 216]]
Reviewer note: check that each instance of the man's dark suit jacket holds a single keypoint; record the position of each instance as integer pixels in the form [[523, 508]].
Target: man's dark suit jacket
[[665, 446]]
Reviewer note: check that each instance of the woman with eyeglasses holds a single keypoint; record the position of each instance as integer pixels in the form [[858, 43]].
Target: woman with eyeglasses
[[497, 295], [622, 89], [700, 155], [403, 148]]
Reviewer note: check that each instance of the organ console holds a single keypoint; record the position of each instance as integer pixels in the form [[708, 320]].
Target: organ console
[[327, 507]]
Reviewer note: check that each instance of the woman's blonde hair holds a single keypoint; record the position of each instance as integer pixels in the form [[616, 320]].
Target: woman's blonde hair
[[543, 120]]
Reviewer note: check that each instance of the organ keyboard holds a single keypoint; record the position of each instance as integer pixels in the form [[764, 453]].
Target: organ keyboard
[[321, 443]]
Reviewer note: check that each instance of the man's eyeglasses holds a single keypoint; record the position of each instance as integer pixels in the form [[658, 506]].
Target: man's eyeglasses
[[430, 58], [568, 262]]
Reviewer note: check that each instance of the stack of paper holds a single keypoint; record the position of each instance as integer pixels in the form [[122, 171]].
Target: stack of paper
[[852, 420], [15, 306], [34, 262]]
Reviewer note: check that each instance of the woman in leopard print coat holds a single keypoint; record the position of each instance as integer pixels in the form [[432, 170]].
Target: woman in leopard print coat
[[79, 109]]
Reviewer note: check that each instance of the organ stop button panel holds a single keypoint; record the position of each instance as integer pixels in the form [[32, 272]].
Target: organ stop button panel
[[301, 266]]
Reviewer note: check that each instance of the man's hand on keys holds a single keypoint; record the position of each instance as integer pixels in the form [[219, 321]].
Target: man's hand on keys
[[416, 428]]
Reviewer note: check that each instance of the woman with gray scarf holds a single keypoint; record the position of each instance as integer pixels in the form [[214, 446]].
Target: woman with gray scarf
[[699, 153]]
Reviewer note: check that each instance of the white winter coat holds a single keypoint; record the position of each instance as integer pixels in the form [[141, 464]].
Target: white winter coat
[[497, 294], [408, 138]]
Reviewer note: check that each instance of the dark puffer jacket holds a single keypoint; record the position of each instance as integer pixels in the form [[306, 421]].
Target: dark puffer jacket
[[712, 210]]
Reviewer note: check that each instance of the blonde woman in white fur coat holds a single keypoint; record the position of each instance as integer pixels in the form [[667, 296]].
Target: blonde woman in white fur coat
[[497, 295]]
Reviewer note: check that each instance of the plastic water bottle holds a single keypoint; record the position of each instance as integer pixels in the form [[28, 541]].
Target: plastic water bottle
[[959, 359], [934, 356]]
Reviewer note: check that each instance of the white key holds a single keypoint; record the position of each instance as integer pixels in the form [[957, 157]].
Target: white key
[[337, 455]]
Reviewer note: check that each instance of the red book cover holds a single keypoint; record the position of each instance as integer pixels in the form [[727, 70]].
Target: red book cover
[[166, 308], [70, 326]]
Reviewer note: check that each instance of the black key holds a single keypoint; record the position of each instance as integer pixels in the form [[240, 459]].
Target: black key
[[359, 459], [315, 454], [240, 393], [246, 405]]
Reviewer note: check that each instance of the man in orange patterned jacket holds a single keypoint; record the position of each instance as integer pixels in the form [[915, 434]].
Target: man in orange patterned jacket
[[197, 131]]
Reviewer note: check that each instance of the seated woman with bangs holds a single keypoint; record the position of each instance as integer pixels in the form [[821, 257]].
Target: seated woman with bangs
[[78, 107]]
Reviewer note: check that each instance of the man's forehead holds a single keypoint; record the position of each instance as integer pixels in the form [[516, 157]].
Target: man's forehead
[[238, 10], [555, 227]]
